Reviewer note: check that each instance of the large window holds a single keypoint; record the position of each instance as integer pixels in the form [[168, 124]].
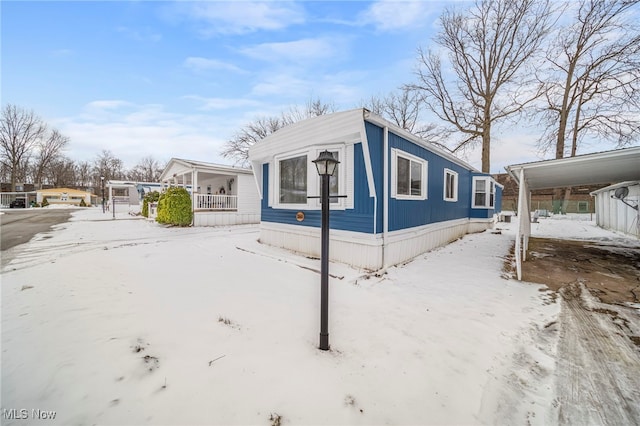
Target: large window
[[450, 185], [409, 176], [484, 192], [297, 184], [293, 180]]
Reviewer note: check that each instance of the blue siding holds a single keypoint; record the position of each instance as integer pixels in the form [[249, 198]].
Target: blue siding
[[498, 206], [410, 213], [403, 214], [359, 219], [375, 137]]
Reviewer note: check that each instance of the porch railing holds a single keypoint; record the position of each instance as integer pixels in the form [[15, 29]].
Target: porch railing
[[216, 202]]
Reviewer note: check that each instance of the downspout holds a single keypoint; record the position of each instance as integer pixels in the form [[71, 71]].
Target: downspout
[[385, 194]]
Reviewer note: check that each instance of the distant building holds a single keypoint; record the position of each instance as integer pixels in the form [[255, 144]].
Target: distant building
[[65, 196], [580, 199]]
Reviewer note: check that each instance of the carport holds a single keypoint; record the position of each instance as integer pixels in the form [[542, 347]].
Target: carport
[[590, 169]]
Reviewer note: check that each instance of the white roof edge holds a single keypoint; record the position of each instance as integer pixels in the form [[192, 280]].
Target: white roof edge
[[576, 159], [194, 163], [261, 149], [615, 186], [376, 119]]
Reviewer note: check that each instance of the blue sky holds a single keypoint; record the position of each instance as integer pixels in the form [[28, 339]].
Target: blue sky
[[177, 79]]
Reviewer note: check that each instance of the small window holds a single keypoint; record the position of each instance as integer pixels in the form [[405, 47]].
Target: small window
[[409, 177], [450, 185], [484, 193], [583, 207], [293, 180]]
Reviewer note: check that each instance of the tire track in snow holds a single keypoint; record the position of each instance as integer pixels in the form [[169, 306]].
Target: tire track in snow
[[598, 374]]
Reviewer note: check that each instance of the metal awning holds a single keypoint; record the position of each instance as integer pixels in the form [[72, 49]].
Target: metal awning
[[590, 169]]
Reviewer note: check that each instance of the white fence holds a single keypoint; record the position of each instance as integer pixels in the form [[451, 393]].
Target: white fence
[[216, 202]]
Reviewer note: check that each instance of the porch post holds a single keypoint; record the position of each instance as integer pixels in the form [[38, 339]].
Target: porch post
[[194, 194]]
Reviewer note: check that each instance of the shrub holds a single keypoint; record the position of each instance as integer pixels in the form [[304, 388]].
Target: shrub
[[45, 202], [82, 203], [174, 207], [151, 197]]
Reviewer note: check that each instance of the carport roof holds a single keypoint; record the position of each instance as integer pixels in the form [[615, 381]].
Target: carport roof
[[589, 169]]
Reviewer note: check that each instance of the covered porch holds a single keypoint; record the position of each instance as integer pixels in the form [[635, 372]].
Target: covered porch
[[220, 195]]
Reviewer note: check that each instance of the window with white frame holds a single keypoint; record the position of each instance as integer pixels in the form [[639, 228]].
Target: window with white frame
[[296, 179], [292, 174], [450, 185], [484, 192], [408, 176]]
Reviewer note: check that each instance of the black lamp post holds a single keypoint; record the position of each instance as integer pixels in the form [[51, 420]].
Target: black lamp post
[[102, 180], [326, 165]]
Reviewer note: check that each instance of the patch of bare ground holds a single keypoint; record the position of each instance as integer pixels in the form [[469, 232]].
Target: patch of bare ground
[[598, 350], [610, 273]]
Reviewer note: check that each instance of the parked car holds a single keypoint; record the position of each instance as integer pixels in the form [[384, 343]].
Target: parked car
[[18, 203]]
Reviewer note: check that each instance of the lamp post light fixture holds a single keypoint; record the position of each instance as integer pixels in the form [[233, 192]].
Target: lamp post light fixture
[[326, 165], [102, 181]]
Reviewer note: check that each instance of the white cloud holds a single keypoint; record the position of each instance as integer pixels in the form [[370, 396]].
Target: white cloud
[[222, 103], [241, 17], [298, 51], [199, 64], [132, 131], [391, 15]]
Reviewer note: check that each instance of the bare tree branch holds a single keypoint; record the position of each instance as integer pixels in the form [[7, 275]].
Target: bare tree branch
[[490, 49], [20, 131], [592, 83]]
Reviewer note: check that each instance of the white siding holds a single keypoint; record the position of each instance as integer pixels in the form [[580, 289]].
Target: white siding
[[248, 196], [366, 250], [611, 213]]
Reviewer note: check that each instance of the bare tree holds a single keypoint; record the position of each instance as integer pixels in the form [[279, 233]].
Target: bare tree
[[237, 148], [147, 170], [592, 85], [20, 131], [61, 173], [490, 49], [48, 149], [403, 109], [83, 175], [108, 166]]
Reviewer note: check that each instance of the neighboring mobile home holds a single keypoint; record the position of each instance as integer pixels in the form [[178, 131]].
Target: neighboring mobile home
[[404, 196], [65, 196], [221, 195]]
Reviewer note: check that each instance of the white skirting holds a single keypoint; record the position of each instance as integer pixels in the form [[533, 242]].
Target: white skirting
[[366, 250], [224, 218]]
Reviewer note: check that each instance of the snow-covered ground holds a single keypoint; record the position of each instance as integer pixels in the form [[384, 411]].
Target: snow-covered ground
[[128, 322]]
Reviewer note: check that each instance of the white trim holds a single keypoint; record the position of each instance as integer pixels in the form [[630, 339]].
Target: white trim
[[341, 170], [455, 185], [276, 179], [490, 184], [382, 122], [395, 153], [313, 180]]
